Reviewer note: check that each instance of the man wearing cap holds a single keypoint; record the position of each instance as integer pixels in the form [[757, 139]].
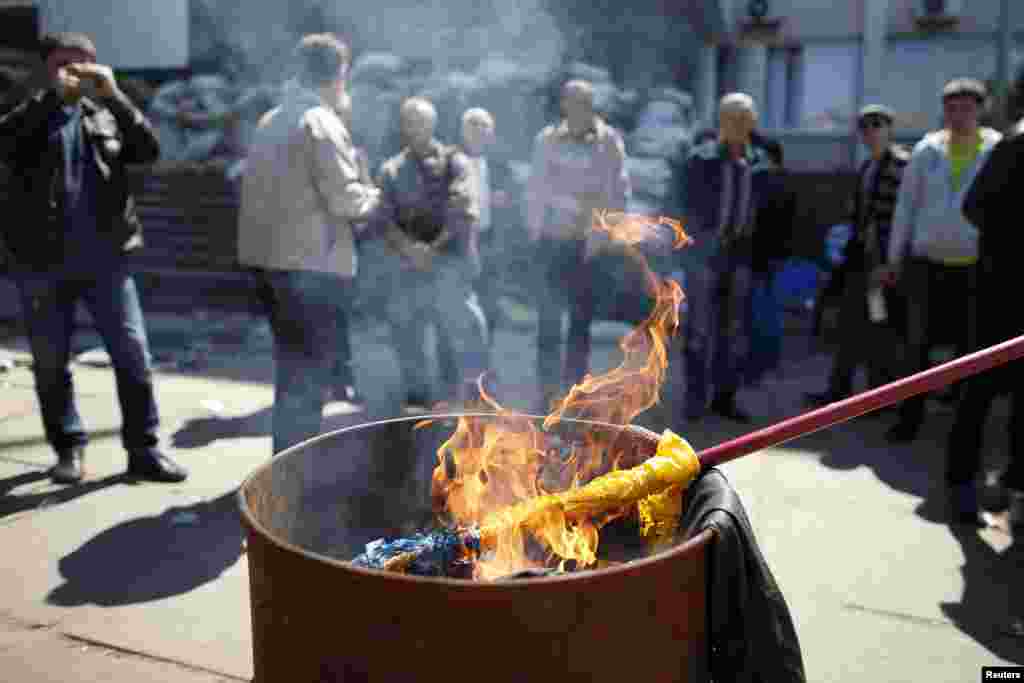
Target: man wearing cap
[[870, 315], [992, 206], [933, 249], [68, 146]]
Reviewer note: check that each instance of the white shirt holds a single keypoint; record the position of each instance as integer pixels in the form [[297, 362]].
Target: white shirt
[[482, 187]]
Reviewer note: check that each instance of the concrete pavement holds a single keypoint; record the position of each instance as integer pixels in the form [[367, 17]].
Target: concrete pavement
[[116, 580]]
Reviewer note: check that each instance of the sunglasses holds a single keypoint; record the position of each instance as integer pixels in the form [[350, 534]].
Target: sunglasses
[[873, 123]]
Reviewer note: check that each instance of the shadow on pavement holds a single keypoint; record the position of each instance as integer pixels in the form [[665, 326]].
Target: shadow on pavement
[[992, 598], [11, 483], [202, 431], [148, 558], [862, 443], [14, 504], [40, 440]]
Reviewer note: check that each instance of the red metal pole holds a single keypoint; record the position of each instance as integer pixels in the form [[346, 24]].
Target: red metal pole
[[862, 403]]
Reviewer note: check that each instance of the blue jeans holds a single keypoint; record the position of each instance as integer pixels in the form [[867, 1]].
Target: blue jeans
[[443, 296], [48, 305], [302, 306], [718, 328]]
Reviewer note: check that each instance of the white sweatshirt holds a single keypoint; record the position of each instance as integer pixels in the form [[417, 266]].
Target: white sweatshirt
[[928, 215]]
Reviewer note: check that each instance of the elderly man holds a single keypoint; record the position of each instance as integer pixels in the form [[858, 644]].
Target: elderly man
[[428, 216], [579, 165], [870, 323], [478, 134], [301, 194], [490, 199], [72, 223], [719, 202], [933, 249]]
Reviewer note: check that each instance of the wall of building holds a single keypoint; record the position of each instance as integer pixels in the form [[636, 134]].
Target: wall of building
[[129, 34], [827, 59]]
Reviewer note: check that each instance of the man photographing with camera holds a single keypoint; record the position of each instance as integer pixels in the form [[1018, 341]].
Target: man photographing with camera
[[67, 147]]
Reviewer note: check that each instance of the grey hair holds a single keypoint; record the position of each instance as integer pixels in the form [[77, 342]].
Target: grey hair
[[736, 102], [478, 115], [418, 105], [578, 88]]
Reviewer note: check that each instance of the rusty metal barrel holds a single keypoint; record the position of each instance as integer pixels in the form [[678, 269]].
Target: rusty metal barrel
[[315, 617]]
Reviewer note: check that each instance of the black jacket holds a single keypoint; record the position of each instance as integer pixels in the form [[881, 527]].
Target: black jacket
[[991, 205], [774, 220], [751, 633], [876, 206], [118, 133]]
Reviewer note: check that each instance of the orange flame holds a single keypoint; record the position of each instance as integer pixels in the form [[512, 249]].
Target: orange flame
[[489, 465]]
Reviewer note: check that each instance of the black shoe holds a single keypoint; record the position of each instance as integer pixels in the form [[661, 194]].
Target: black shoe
[[70, 467], [417, 400], [153, 465], [902, 432], [349, 394], [725, 406]]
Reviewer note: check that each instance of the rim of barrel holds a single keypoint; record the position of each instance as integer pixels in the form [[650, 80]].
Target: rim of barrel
[[686, 547]]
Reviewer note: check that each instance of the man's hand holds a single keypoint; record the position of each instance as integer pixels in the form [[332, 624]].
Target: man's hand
[[886, 276], [95, 79]]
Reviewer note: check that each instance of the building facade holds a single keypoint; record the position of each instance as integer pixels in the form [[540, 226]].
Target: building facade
[[811, 64], [129, 34]]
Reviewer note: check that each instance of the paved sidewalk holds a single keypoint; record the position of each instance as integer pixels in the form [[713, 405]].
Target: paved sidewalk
[[114, 580]]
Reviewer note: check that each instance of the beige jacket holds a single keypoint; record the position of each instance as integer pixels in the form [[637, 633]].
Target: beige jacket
[[302, 190]]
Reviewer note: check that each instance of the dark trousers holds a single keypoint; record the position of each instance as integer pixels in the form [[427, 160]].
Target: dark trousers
[[941, 307], [863, 342], [717, 328], [48, 305], [301, 306], [567, 284], [963, 454]]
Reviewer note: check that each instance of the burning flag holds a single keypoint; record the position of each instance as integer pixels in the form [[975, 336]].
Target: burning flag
[[521, 498]]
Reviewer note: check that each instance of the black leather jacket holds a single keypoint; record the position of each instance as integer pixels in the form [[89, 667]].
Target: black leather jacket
[[118, 133], [751, 634]]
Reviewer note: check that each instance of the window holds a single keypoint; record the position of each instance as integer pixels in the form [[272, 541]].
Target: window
[[828, 77], [916, 70]]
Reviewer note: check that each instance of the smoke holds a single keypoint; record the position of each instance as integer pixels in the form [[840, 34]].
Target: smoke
[[453, 34]]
